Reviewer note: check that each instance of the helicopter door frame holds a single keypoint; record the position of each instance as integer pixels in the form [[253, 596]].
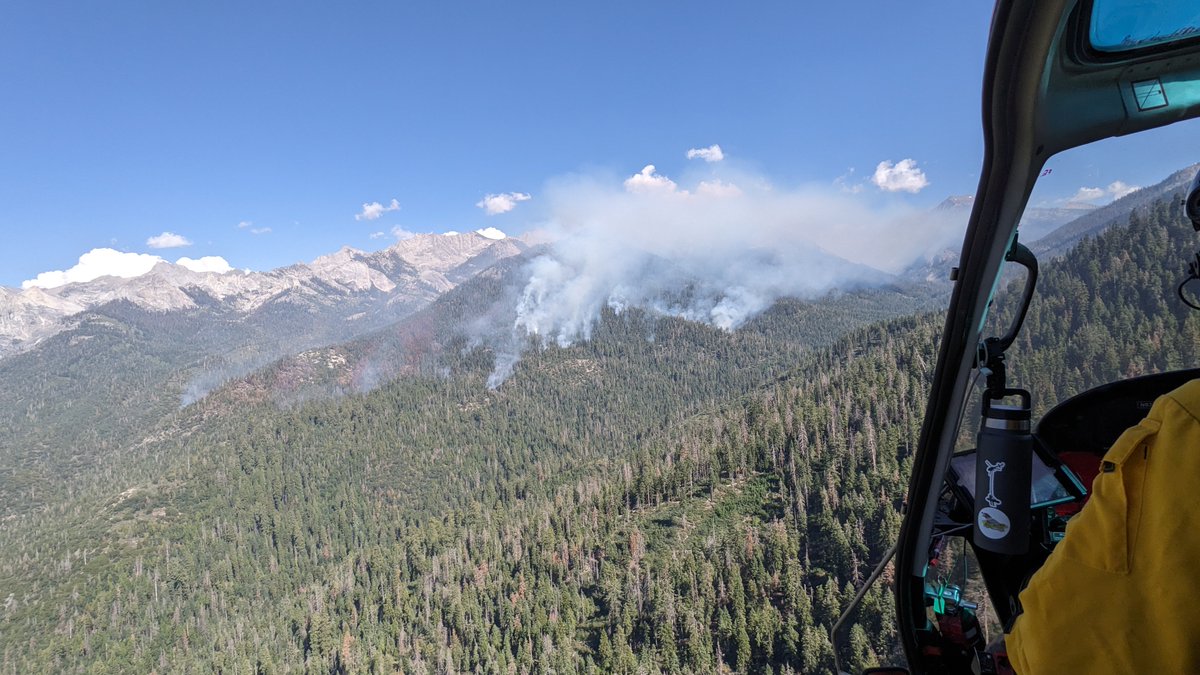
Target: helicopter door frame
[[1044, 92]]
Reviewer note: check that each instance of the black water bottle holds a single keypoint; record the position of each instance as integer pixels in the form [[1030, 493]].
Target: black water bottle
[[1003, 481]]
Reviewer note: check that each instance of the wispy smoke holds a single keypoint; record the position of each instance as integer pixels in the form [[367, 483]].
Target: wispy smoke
[[213, 371], [718, 256]]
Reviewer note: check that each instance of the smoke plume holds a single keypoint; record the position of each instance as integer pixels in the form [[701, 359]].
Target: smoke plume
[[718, 249]]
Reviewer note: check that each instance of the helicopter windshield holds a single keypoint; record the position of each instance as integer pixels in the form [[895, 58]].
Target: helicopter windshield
[[1127, 25]]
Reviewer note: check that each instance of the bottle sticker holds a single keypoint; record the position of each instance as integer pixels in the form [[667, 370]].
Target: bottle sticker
[[993, 524], [992, 470]]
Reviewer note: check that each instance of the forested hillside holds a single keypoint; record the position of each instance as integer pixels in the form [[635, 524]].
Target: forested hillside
[[665, 497], [428, 476], [1109, 309]]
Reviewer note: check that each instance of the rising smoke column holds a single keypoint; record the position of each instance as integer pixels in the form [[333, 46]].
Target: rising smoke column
[[718, 252]]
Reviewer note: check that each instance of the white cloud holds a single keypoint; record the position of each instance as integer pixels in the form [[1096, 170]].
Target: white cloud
[[718, 188], [249, 224], [1119, 189], [648, 181], [710, 154], [96, 263], [1087, 194], [168, 240], [400, 233], [1115, 190], [451, 233], [107, 262], [903, 176], [374, 210], [501, 203], [845, 184], [491, 233], [208, 263], [377, 235]]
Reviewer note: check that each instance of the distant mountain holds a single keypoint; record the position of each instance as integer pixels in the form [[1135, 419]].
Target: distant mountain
[[86, 366], [478, 318], [1048, 231], [957, 204], [1057, 242], [1035, 222], [1038, 221], [933, 269], [347, 286]]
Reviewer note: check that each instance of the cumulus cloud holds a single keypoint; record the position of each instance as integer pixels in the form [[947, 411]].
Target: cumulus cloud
[[400, 233], [710, 251], [1115, 190], [373, 210], [244, 224], [1119, 189], [501, 203], [1087, 194], [710, 154], [208, 263], [107, 262], [377, 235], [718, 188], [491, 233], [903, 176], [96, 263], [168, 240], [648, 180]]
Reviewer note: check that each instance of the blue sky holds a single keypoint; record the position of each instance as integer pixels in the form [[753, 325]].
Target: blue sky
[[123, 121]]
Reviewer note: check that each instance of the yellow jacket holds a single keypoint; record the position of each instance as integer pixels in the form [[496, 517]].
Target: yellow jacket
[[1121, 592]]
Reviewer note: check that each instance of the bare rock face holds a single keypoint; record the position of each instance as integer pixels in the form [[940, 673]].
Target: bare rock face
[[445, 252], [409, 274], [30, 315]]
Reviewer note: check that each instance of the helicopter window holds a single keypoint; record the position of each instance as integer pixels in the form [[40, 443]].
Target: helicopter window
[[1107, 226], [1117, 203], [1127, 25]]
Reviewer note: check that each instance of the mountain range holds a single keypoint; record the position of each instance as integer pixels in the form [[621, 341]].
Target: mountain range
[[350, 293], [1063, 238], [205, 328], [345, 293], [1051, 231]]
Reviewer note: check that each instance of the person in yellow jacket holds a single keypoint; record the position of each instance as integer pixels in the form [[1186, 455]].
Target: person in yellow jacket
[[1121, 592]]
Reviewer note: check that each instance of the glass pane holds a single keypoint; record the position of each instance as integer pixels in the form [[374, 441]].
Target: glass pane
[[1123, 25]]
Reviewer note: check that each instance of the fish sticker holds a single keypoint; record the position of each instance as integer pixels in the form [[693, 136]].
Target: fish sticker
[[993, 524]]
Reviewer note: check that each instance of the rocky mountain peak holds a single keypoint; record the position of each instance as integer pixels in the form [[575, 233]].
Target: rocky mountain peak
[[956, 202], [400, 278], [441, 252]]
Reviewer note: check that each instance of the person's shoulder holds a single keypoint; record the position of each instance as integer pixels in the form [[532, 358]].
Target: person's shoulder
[[1186, 398]]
